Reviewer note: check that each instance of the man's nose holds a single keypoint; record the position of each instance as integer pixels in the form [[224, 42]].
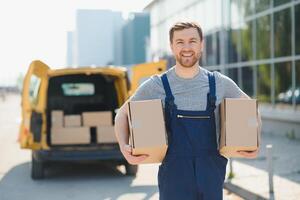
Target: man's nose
[[186, 46]]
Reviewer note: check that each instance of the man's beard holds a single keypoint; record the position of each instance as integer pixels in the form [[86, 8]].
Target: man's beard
[[188, 62]]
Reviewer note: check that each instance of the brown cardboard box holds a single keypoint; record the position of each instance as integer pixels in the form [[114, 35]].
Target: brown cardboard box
[[72, 120], [70, 135], [106, 134], [147, 129], [239, 127], [100, 118], [57, 118]]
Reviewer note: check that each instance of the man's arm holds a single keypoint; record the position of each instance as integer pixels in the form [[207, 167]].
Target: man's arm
[[122, 134], [253, 154]]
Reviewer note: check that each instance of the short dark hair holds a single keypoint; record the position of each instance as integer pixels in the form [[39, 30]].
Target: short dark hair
[[184, 25]]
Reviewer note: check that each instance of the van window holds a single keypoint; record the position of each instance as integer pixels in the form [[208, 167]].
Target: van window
[[34, 87], [78, 89]]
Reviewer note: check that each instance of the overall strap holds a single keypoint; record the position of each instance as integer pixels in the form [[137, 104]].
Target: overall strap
[[211, 96], [169, 95], [169, 101]]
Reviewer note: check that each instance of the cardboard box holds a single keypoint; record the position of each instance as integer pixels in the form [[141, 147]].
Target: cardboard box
[[101, 118], [239, 127], [106, 134], [72, 120], [70, 135], [57, 118], [147, 129]]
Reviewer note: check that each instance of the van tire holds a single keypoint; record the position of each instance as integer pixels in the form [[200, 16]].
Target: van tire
[[131, 170], [37, 169]]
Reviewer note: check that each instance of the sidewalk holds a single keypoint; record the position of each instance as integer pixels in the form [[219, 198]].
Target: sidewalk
[[251, 176]]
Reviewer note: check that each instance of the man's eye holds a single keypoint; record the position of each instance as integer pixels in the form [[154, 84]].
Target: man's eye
[[180, 42], [193, 41]]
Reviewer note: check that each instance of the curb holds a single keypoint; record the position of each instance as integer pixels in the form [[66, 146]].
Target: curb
[[248, 195]]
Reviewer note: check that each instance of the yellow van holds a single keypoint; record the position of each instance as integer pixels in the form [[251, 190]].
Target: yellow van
[[54, 101]]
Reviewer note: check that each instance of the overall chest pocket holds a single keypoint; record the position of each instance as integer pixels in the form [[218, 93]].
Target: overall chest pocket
[[198, 130]]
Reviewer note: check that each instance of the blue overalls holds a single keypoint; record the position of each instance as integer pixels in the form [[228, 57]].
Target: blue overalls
[[193, 168]]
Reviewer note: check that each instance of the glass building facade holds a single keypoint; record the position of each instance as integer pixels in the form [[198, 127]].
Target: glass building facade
[[254, 42]]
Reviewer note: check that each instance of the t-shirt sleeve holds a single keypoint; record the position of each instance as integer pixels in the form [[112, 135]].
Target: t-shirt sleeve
[[149, 89], [231, 89]]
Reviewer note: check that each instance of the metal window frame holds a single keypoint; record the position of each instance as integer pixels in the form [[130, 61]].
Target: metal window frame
[[293, 54], [272, 56]]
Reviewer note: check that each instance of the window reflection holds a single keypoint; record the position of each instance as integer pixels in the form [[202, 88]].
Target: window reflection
[[297, 90], [233, 45], [246, 7], [233, 74], [261, 5], [235, 11], [279, 2], [282, 33], [283, 83], [217, 53], [297, 28], [264, 83], [246, 34], [212, 49], [209, 49], [247, 80], [263, 37]]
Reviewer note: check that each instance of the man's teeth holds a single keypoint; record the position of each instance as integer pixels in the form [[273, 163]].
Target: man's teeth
[[187, 55]]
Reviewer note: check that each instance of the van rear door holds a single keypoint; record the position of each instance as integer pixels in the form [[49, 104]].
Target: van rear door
[[33, 126], [143, 71]]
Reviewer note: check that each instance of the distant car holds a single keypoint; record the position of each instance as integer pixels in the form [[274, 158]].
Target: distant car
[[287, 96], [74, 91]]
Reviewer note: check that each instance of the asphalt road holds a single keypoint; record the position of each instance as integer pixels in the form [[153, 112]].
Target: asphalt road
[[65, 180]]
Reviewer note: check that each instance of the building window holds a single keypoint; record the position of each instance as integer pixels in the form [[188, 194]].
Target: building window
[[261, 5], [217, 54], [283, 83], [297, 89], [264, 83], [247, 81], [297, 28], [282, 33], [263, 34], [235, 12], [279, 2], [246, 7], [212, 49], [233, 74], [246, 46], [233, 45], [209, 50]]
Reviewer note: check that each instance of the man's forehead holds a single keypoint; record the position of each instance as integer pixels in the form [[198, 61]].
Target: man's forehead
[[186, 34]]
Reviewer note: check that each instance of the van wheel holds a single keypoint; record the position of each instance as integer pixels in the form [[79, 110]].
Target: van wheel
[[37, 169], [131, 170]]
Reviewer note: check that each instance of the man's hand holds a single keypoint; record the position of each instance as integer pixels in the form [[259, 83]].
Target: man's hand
[[127, 153], [249, 154]]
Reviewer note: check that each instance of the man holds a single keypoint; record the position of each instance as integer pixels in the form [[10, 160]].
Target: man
[[193, 168]]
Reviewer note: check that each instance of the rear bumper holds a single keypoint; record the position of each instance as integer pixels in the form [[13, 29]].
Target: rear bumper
[[76, 155]]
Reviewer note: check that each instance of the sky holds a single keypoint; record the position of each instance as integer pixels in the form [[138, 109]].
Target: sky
[[37, 29]]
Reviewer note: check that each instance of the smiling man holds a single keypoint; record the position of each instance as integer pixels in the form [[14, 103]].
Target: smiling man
[[193, 168]]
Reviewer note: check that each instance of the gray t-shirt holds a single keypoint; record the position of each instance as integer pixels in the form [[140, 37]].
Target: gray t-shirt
[[189, 94]]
